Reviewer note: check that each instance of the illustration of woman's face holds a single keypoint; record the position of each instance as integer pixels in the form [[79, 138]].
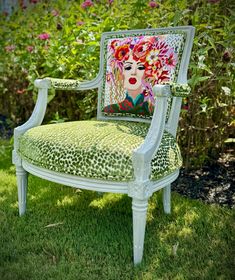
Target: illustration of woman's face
[[133, 72]]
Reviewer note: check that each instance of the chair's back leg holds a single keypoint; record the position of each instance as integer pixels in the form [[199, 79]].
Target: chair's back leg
[[167, 199], [22, 182], [139, 209]]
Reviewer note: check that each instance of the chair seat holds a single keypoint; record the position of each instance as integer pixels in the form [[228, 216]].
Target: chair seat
[[96, 149]]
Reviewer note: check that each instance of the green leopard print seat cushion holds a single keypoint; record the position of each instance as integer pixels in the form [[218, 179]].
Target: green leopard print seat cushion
[[96, 149]]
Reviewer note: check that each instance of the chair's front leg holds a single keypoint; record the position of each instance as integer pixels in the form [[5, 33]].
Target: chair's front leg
[[139, 209], [167, 199], [22, 181]]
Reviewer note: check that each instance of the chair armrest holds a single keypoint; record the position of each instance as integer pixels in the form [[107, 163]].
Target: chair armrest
[[67, 84], [62, 84], [143, 155]]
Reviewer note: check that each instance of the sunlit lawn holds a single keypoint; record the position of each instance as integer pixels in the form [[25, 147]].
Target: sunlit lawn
[[71, 234]]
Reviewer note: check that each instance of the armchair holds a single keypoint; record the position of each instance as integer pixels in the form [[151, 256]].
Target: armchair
[[131, 147]]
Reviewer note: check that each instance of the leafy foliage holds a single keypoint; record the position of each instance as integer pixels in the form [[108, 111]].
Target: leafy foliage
[[61, 39]]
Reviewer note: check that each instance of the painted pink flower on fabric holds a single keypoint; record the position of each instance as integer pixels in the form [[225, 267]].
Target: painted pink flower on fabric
[[153, 4], [44, 36], [55, 13], [86, 4], [79, 23], [171, 60], [10, 48], [30, 48], [148, 92]]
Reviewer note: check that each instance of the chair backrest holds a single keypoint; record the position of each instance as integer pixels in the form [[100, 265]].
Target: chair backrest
[[132, 62]]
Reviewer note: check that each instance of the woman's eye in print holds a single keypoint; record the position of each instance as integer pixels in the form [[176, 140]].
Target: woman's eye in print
[[128, 67], [141, 67]]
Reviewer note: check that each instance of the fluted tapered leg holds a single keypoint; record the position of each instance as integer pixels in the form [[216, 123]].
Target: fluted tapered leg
[[139, 208], [22, 181], [167, 199]]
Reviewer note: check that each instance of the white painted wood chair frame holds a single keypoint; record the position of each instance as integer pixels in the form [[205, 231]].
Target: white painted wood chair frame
[[139, 189]]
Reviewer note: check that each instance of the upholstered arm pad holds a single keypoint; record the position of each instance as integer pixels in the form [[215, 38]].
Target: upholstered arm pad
[[180, 90], [62, 84], [172, 89]]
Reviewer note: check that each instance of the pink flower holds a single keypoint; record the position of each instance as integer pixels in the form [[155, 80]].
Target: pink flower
[[29, 48], [153, 4], [110, 1], [33, 1], [10, 48], [87, 3], [44, 36], [55, 13], [21, 91], [79, 23]]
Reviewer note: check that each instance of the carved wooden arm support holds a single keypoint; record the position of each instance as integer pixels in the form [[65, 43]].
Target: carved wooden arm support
[[143, 155]]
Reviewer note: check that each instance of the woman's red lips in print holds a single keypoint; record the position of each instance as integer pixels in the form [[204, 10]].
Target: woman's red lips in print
[[132, 81]]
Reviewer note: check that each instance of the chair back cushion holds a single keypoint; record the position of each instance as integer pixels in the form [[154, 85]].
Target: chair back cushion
[[133, 62]]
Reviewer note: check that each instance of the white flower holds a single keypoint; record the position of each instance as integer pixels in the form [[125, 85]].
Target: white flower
[[226, 90]]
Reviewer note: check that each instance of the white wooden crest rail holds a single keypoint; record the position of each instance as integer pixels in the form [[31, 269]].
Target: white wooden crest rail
[[131, 147]]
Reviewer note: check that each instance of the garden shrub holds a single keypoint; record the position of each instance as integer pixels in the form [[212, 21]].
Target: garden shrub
[[61, 39]]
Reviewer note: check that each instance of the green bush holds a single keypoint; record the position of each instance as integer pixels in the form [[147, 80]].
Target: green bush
[[61, 39]]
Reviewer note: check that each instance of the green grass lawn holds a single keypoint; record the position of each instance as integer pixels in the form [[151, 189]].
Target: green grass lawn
[[72, 234]]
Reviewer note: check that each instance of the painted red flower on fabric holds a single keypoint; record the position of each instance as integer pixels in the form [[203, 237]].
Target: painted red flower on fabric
[[150, 70], [122, 53], [114, 44], [161, 75], [171, 60], [141, 50], [44, 36]]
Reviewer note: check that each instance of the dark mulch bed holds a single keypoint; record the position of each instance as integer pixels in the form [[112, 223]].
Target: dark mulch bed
[[214, 184]]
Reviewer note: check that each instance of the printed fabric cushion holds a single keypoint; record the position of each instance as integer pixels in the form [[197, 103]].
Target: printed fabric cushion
[[96, 149]]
